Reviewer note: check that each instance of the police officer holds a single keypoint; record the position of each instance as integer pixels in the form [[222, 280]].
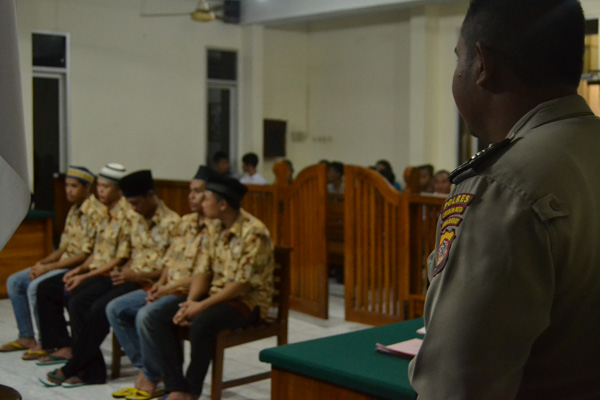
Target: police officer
[[512, 309]]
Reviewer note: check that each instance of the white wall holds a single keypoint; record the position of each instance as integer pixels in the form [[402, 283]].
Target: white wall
[[366, 88], [137, 85]]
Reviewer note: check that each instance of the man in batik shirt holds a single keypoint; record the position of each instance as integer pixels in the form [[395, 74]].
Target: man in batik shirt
[[125, 313], [111, 247], [152, 226], [232, 287], [76, 243]]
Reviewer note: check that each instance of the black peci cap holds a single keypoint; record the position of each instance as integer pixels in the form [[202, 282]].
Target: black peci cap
[[138, 183]]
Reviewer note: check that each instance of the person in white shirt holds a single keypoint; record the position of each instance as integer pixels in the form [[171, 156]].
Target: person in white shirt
[[251, 176]]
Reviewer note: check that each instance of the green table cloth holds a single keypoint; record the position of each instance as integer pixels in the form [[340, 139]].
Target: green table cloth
[[351, 361]]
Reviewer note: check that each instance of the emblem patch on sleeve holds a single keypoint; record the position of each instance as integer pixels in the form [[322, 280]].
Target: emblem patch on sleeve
[[456, 205], [446, 240]]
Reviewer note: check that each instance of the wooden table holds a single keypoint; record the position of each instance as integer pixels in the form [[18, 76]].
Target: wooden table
[[31, 242], [343, 366]]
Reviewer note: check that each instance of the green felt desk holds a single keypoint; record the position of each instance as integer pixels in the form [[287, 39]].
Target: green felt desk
[[348, 362]]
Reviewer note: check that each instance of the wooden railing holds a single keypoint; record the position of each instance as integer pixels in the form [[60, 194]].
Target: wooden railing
[[376, 248], [303, 229]]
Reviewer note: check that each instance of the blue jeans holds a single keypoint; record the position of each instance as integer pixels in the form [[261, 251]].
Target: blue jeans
[[125, 314], [22, 292]]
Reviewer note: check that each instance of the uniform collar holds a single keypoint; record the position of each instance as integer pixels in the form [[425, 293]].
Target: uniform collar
[[550, 111]]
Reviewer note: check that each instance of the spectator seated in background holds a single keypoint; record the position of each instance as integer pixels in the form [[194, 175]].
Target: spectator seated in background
[[335, 178], [426, 178], [251, 175], [221, 164], [150, 230], [76, 243], [441, 182], [385, 169], [290, 178], [231, 288], [125, 313]]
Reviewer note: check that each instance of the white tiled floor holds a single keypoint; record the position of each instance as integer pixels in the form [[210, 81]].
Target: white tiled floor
[[23, 375]]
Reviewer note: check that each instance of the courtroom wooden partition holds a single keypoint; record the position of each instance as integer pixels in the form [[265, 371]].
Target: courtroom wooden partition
[[303, 219], [376, 248], [424, 213]]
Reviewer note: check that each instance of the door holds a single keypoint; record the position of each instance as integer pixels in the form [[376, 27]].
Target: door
[[221, 128], [47, 138]]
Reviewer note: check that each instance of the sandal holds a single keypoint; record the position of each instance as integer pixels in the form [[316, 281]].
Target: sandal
[[52, 380], [73, 382], [30, 354], [122, 393], [11, 346], [51, 359], [142, 395]]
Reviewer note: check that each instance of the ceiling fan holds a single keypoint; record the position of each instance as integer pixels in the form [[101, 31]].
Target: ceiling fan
[[202, 13]]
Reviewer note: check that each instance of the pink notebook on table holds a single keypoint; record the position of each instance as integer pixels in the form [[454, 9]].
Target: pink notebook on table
[[407, 348]]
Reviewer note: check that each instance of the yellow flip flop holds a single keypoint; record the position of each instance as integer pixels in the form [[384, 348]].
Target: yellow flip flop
[[12, 346], [122, 393], [142, 395], [30, 355]]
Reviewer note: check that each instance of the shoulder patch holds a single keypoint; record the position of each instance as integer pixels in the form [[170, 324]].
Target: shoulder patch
[[446, 240], [456, 205]]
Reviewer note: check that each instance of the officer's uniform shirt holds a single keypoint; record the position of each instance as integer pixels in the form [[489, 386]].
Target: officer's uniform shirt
[[181, 257], [150, 241], [82, 221], [243, 253], [512, 310], [112, 237]]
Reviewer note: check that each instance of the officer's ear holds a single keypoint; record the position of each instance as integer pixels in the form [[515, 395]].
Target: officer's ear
[[486, 67]]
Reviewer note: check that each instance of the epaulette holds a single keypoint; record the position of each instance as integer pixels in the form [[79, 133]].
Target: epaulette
[[467, 169]]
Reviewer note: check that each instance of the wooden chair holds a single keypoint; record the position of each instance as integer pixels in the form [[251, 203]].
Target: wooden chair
[[276, 325]]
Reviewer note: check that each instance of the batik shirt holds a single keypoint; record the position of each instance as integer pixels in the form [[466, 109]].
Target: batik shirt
[[150, 241], [243, 253], [181, 257], [82, 221], [112, 236]]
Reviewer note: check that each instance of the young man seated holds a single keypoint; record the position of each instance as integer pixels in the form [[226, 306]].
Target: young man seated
[[152, 225], [231, 288], [335, 178], [111, 247], [251, 175], [76, 243], [125, 313]]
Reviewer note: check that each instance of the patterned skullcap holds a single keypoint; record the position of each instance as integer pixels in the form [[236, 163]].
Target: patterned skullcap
[[230, 189], [82, 174], [138, 183], [112, 172]]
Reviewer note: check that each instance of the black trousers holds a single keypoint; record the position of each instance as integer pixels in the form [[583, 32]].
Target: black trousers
[[203, 334], [50, 305], [89, 326]]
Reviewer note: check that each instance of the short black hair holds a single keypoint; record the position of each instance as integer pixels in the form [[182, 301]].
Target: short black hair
[[250, 159], [541, 41], [219, 155], [337, 166], [426, 167]]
